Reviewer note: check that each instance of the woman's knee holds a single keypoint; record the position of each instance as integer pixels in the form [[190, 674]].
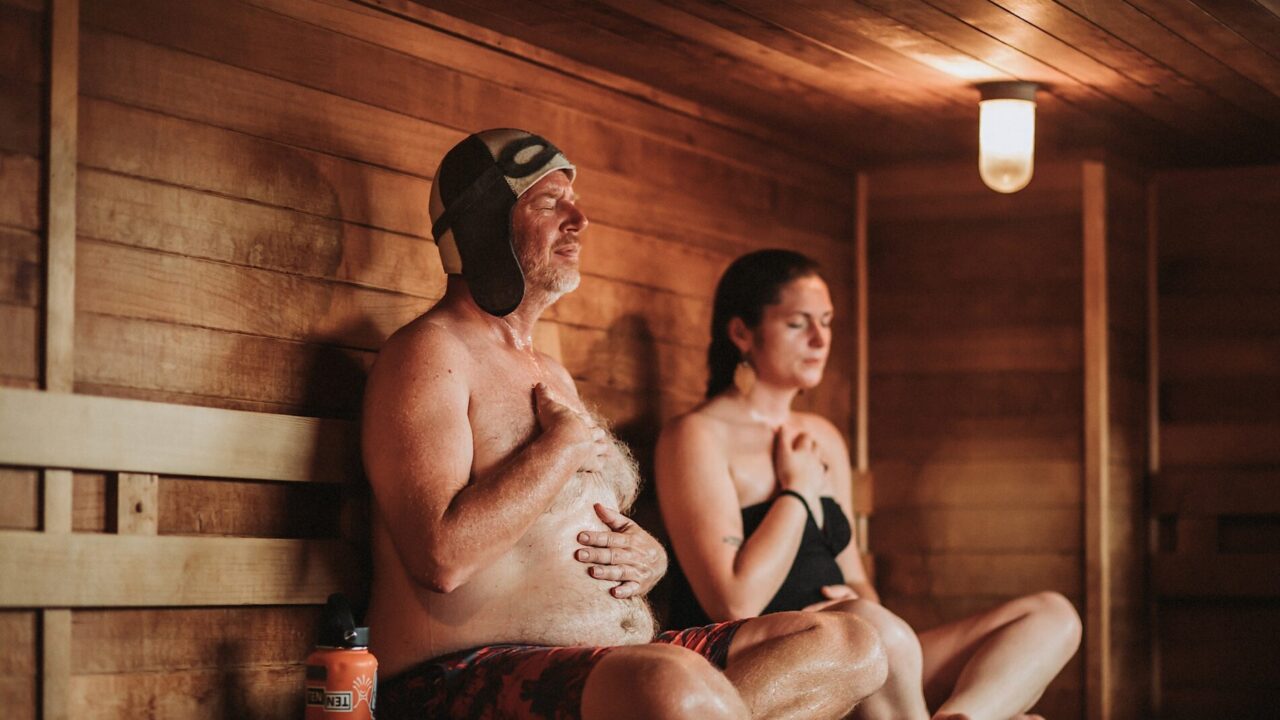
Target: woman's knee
[[1057, 614], [677, 683], [900, 642]]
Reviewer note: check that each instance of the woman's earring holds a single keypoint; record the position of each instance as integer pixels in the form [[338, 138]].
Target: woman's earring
[[744, 377]]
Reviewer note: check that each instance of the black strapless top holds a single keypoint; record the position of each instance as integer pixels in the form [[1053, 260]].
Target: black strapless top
[[814, 566]]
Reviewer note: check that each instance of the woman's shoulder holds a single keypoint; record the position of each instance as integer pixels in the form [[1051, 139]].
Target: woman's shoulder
[[818, 426], [705, 419]]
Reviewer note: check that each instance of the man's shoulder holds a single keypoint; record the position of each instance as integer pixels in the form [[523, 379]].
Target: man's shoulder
[[430, 341]]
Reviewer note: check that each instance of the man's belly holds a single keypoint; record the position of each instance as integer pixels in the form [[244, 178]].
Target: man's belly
[[537, 594]]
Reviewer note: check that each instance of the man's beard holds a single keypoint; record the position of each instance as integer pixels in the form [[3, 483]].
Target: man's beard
[[544, 275]]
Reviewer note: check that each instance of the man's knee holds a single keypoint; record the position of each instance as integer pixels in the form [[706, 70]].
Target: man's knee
[[854, 644], [659, 681]]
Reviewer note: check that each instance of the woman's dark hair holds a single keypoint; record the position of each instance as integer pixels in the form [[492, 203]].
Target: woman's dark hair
[[751, 282]]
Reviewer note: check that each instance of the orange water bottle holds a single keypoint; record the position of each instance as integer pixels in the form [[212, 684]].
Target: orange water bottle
[[342, 675]]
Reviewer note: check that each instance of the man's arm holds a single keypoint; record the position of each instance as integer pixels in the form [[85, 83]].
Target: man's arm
[[417, 444]]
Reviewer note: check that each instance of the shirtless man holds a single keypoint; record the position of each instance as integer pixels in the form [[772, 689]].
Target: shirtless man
[[507, 582]]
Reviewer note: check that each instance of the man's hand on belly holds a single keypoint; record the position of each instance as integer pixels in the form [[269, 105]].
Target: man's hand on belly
[[624, 554]]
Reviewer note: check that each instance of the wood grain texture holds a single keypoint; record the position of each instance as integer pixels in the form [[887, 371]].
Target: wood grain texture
[[130, 570], [60, 430]]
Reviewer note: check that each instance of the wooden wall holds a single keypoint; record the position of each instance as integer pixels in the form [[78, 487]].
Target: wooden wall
[[1216, 498], [1007, 406], [251, 222]]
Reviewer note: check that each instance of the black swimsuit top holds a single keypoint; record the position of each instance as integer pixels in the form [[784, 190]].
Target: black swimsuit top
[[814, 566]]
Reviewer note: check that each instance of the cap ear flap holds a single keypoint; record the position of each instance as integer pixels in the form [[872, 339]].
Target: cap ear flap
[[489, 261]]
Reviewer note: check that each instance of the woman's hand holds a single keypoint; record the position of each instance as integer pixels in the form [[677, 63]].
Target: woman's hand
[[833, 594], [798, 464]]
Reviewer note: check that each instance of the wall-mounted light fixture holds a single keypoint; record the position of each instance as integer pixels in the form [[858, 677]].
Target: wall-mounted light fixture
[[1006, 134]]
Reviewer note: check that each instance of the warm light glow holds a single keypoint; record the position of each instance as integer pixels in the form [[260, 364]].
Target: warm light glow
[[1007, 135]]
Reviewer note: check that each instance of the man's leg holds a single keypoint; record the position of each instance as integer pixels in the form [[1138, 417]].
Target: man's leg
[[805, 664], [902, 696], [997, 664], [658, 682]]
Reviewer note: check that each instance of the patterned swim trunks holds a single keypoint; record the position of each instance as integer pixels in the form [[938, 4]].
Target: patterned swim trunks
[[519, 681]]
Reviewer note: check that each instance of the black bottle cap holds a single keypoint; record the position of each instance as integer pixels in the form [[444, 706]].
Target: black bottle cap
[[338, 627]]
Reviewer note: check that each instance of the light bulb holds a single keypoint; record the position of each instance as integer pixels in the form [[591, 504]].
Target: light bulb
[[1006, 135]]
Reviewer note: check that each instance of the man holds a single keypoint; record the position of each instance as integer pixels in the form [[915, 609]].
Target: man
[[507, 581]]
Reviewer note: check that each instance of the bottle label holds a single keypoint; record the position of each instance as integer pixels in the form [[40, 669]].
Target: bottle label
[[339, 702], [315, 696]]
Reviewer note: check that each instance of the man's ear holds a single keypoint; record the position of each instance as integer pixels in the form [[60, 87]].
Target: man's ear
[[740, 335]]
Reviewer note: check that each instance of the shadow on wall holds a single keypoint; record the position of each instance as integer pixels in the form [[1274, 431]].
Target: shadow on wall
[[627, 361]]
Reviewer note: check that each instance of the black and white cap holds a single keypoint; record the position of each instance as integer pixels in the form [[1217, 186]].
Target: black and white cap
[[475, 188]]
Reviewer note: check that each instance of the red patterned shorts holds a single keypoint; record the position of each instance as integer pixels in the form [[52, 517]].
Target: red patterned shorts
[[519, 681]]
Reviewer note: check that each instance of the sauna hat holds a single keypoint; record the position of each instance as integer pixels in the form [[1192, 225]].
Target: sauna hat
[[475, 188]]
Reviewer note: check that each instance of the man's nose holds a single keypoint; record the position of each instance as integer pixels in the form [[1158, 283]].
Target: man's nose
[[576, 220]]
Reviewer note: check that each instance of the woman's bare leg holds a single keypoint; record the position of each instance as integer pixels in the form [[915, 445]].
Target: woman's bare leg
[[995, 665]]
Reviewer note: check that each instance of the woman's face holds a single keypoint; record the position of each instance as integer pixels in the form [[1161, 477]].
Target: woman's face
[[790, 346]]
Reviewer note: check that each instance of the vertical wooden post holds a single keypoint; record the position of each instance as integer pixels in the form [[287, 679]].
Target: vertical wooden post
[[60, 286], [1097, 489], [863, 484], [861, 452], [59, 324], [1153, 433]]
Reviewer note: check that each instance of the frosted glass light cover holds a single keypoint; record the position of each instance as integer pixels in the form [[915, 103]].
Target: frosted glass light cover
[[1006, 143]]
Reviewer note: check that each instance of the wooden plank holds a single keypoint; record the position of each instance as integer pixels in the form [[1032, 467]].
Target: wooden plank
[[968, 485], [218, 368], [136, 212], [22, 116], [1013, 349], [20, 357], [1097, 437], [60, 217], [1215, 491], [21, 509], [58, 430], [55, 659], [23, 37], [126, 570], [925, 438], [91, 512], [1245, 576], [266, 693], [861, 453], [20, 191], [627, 356], [1222, 444], [20, 268], [444, 38], [167, 640], [945, 575], [943, 530], [1003, 394], [137, 142], [196, 506], [376, 48], [116, 280], [1180, 55], [137, 503]]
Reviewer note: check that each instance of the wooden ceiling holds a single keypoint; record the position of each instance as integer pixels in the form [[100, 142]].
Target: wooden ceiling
[[871, 82]]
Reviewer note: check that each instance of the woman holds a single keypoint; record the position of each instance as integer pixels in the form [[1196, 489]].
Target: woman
[[756, 498]]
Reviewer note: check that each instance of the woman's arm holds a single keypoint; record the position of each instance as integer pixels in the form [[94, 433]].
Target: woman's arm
[[732, 577], [836, 453]]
